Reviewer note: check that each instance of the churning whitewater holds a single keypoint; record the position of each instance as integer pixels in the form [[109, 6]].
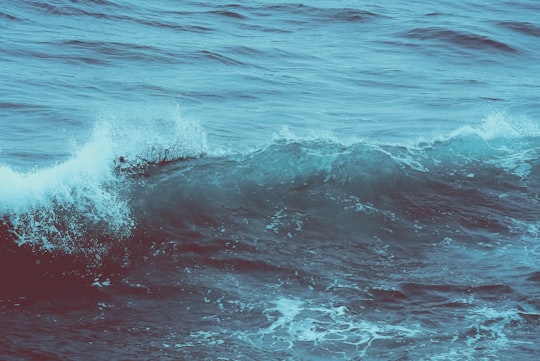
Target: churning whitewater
[[269, 180]]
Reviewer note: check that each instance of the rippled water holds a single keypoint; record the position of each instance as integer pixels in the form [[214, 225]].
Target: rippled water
[[265, 180]]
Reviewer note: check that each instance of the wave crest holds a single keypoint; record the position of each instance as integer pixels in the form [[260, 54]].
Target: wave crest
[[82, 206], [155, 136]]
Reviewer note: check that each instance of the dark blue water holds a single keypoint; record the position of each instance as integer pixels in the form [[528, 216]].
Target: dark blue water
[[334, 180]]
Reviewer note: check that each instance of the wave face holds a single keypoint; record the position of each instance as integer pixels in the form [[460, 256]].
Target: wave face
[[335, 180], [353, 187]]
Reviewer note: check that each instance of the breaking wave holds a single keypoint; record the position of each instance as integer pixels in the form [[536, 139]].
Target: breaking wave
[[153, 179], [80, 210]]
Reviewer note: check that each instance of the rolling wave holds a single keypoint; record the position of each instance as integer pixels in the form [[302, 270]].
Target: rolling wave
[[156, 181]]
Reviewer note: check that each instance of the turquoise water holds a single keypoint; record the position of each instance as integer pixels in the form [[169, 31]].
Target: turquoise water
[[247, 70], [266, 180]]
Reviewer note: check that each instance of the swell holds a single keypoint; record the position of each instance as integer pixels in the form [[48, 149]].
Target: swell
[[115, 50], [324, 15], [525, 28], [9, 17], [446, 295], [313, 14], [97, 53], [77, 8], [463, 40]]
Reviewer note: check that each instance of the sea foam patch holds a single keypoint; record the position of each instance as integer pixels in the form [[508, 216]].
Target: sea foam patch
[[325, 331]]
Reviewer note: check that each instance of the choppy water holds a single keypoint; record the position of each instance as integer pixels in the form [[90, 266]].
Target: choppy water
[[334, 180]]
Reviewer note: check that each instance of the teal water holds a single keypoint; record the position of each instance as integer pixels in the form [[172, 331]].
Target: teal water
[[264, 180]]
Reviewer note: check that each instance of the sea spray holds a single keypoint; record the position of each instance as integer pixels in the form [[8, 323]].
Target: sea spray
[[152, 135], [83, 207], [76, 207]]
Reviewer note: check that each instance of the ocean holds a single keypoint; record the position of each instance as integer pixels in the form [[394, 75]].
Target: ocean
[[264, 180]]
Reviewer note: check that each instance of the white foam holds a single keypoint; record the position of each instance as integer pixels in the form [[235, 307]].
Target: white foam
[[154, 135], [71, 205], [500, 125], [332, 330], [20, 192], [77, 204]]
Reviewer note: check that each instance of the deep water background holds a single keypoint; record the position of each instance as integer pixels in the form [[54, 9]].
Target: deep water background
[[269, 180]]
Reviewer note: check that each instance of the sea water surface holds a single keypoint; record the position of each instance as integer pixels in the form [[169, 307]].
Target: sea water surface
[[321, 180]]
